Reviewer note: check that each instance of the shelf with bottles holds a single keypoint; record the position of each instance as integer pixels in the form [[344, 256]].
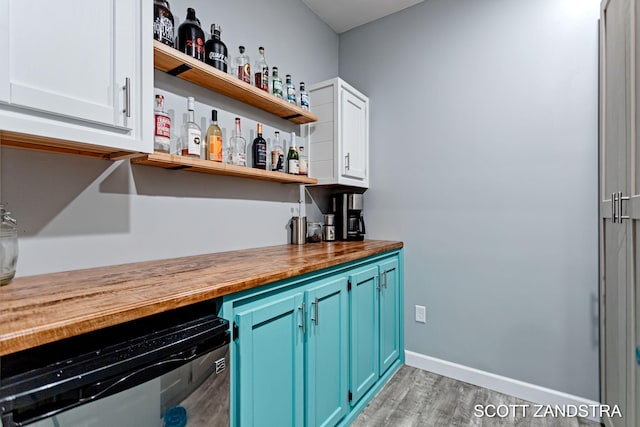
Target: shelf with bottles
[[174, 162], [176, 63]]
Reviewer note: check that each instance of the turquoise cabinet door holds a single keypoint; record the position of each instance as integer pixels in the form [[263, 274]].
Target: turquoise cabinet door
[[389, 314], [327, 352], [364, 355], [270, 358]]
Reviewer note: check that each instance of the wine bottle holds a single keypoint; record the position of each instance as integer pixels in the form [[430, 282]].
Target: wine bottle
[[191, 140], [261, 76], [216, 51], [292, 157], [214, 139], [191, 36], [162, 22], [162, 134], [238, 146], [304, 97], [259, 150]]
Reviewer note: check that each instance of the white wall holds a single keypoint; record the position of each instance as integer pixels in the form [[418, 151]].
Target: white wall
[[484, 161], [79, 212]]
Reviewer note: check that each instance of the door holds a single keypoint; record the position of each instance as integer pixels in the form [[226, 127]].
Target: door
[[364, 355], [353, 134], [389, 314], [327, 352], [270, 359], [70, 57], [615, 182]]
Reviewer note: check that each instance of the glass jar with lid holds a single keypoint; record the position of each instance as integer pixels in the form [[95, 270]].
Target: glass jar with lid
[[8, 246], [314, 232]]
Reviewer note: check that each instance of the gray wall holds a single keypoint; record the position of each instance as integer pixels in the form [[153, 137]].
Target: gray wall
[[79, 212], [484, 161]]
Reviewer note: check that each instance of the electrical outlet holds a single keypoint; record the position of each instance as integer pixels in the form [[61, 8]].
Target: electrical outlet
[[421, 314]]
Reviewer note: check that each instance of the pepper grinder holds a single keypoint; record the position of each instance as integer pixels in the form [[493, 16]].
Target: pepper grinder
[[329, 231]]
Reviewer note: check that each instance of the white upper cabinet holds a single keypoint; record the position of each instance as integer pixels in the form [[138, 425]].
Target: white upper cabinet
[[78, 70], [339, 140]]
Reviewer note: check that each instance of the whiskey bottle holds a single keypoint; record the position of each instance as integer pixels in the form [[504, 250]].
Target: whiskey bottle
[[292, 157], [214, 139], [261, 77], [277, 155], [291, 91], [276, 83], [238, 146], [241, 66], [162, 22], [304, 97], [216, 51], [162, 134], [191, 36], [259, 150], [190, 141]]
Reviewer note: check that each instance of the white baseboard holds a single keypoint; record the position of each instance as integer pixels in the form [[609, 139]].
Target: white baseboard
[[520, 389]]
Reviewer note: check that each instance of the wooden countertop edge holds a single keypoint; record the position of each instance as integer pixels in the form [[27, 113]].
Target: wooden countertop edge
[[22, 339]]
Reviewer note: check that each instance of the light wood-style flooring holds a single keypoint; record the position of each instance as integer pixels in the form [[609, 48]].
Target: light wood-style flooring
[[416, 398]]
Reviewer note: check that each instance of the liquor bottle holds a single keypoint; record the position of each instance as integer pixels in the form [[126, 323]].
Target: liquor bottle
[[292, 157], [261, 77], [241, 66], [162, 22], [238, 146], [214, 139], [291, 91], [276, 83], [304, 97], [303, 162], [191, 36], [190, 142], [277, 155], [162, 134], [259, 150], [216, 51]]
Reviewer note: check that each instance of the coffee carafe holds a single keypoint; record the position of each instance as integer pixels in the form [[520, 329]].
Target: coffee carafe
[[347, 208]]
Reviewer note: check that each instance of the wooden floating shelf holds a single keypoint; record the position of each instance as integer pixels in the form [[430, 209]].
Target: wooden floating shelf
[[176, 63], [173, 162]]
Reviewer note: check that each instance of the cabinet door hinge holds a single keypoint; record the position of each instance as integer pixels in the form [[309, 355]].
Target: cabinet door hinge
[[236, 331], [348, 285], [350, 396]]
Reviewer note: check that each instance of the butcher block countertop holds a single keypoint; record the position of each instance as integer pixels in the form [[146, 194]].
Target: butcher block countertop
[[40, 309]]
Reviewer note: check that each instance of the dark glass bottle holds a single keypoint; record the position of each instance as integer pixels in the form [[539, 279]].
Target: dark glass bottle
[[217, 54], [259, 150], [162, 22], [191, 36]]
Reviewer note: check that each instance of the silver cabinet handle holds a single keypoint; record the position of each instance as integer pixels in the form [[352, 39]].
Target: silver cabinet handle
[[614, 208], [385, 280], [379, 285], [347, 162], [315, 319], [304, 313], [620, 199], [127, 97]]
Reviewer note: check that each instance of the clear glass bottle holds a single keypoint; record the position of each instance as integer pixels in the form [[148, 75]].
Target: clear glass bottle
[[304, 97], [259, 150], [216, 51], [293, 163], [241, 66], [8, 246], [276, 83], [238, 146], [191, 36], [291, 91], [162, 134], [303, 161], [277, 155], [163, 22], [191, 139], [214, 139], [261, 76]]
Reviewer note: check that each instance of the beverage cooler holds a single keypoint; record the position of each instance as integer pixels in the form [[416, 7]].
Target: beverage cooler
[[170, 369]]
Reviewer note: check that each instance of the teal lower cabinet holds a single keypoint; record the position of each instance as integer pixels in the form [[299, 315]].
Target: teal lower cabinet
[[313, 350]]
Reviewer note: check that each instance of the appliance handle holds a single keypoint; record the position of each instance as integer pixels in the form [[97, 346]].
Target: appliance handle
[[363, 230]]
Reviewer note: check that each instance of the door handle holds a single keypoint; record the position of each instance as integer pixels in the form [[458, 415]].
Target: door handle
[[614, 205], [385, 280], [347, 162], [620, 199], [127, 97], [315, 319], [303, 325]]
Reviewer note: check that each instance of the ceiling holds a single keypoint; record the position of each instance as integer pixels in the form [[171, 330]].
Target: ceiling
[[343, 15]]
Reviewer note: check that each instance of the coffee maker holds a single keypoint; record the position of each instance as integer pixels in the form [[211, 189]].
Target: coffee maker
[[347, 208]]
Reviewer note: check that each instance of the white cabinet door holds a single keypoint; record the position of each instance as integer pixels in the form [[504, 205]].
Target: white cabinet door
[[72, 57], [353, 134]]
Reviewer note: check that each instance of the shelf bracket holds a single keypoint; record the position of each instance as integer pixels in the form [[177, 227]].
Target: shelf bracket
[[179, 69], [180, 167], [293, 116]]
